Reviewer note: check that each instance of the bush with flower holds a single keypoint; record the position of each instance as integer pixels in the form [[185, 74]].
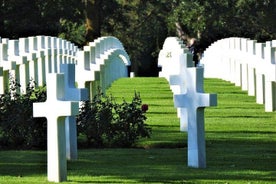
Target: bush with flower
[[104, 123]]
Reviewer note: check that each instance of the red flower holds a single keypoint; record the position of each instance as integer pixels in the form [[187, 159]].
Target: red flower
[[145, 107]]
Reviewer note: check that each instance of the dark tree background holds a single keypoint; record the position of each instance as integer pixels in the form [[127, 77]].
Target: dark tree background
[[141, 25]]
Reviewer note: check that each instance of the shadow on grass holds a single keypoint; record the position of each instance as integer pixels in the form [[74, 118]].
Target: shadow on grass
[[22, 163], [227, 161]]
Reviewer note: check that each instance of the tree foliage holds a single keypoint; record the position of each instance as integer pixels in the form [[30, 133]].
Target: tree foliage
[[142, 25], [209, 21], [39, 17], [142, 28]]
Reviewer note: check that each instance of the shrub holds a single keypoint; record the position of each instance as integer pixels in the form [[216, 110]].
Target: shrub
[[105, 123], [18, 128], [94, 120]]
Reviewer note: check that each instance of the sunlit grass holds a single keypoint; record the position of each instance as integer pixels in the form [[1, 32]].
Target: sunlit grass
[[240, 144]]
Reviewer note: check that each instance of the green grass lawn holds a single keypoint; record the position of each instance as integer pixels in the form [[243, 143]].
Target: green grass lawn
[[240, 144]]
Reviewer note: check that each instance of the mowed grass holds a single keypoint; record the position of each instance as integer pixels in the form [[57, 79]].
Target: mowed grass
[[161, 116], [240, 144]]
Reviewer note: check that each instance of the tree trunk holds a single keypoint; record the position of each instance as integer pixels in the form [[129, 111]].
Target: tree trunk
[[181, 34], [92, 19]]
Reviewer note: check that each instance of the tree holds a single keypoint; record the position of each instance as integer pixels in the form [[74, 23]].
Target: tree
[[141, 25], [209, 21], [93, 19], [203, 20], [142, 28], [256, 19], [37, 17], [19, 17]]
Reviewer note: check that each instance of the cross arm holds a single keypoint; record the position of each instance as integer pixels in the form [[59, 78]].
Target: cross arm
[[61, 109]]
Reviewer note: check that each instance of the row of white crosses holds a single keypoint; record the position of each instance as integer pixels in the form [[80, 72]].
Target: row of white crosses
[[56, 62], [245, 63], [94, 67], [31, 58], [186, 83]]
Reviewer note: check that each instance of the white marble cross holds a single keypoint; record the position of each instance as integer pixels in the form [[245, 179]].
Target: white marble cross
[[1, 80], [270, 77], [260, 78], [55, 109], [6, 65], [178, 85], [195, 100], [174, 58], [84, 75], [248, 64], [71, 94]]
